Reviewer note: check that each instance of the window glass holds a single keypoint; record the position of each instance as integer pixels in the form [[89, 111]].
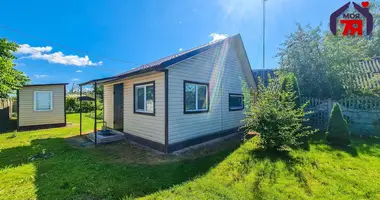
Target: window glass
[[236, 102], [196, 97], [190, 96], [144, 98], [149, 98], [140, 98], [43, 101], [202, 95]]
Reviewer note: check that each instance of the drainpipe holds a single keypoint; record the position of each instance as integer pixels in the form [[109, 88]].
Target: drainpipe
[[95, 131], [80, 110]]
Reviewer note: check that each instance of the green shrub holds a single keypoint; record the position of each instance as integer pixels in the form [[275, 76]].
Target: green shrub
[[290, 83], [275, 116], [337, 130], [73, 105]]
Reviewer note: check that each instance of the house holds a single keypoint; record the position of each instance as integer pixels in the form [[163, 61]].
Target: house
[[41, 106], [264, 75], [180, 100]]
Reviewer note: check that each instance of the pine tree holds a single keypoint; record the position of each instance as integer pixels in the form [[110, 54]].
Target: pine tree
[[337, 130]]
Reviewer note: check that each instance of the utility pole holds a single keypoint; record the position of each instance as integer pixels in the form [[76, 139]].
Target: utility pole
[[264, 34]]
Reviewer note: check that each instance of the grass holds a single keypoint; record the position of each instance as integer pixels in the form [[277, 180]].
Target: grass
[[323, 172], [105, 172], [127, 171]]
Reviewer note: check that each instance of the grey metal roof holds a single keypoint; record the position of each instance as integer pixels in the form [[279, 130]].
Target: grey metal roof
[[264, 74], [49, 84], [163, 62], [367, 71]]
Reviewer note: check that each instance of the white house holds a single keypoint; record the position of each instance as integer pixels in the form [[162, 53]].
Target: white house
[[180, 100]]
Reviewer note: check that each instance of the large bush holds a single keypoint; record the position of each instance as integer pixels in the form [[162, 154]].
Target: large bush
[[290, 83], [73, 105], [276, 117], [337, 130]]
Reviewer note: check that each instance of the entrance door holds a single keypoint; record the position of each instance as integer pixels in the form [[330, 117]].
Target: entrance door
[[118, 106]]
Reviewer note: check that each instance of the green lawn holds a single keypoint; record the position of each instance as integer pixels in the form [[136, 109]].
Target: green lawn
[[127, 171], [321, 173], [105, 172]]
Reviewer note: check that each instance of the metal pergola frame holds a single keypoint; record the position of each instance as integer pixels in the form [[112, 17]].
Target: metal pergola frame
[[95, 83]]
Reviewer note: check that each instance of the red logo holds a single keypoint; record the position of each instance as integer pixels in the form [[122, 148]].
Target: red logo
[[352, 22]]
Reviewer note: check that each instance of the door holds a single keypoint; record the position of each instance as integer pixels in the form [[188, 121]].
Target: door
[[118, 106]]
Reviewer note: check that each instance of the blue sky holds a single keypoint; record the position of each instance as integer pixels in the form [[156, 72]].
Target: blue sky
[[80, 40]]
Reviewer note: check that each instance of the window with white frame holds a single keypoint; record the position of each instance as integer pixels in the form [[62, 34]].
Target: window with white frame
[[235, 102], [196, 97], [43, 100], [144, 98]]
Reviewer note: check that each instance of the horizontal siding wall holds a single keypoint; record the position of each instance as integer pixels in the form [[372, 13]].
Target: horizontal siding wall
[[220, 68], [29, 117], [108, 105], [232, 83], [144, 126]]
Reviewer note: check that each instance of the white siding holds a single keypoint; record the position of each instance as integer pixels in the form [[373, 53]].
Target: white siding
[[145, 126], [220, 67], [108, 105], [29, 117]]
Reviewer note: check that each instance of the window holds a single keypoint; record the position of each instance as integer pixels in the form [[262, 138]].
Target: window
[[235, 102], [43, 100], [195, 97], [144, 98]]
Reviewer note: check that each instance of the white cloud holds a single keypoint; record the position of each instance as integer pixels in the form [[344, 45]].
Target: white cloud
[[217, 36], [43, 53], [27, 49], [180, 49], [41, 76], [79, 71], [75, 79]]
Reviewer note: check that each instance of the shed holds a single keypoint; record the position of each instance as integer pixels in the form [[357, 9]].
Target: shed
[[41, 106]]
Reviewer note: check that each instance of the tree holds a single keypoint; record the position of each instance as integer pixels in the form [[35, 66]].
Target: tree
[[10, 78], [302, 54], [275, 116], [337, 130]]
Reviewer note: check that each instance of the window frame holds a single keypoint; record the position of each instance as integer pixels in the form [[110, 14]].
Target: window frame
[[35, 101], [144, 85], [242, 99], [196, 100]]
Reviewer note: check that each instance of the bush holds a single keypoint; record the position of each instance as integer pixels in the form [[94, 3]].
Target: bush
[[290, 83], [337, 130], [73, 105], [275, 116]]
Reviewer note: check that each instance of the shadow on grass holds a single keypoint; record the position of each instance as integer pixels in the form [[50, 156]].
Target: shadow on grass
[[73, 173], [8, 126], [271, 171]]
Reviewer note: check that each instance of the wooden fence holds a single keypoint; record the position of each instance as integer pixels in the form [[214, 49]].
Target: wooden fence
[[362, 113], [5, 109]]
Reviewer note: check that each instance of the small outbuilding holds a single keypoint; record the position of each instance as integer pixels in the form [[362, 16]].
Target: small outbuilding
[[41, 106]]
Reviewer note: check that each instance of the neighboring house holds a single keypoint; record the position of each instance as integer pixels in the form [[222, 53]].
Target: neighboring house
[[41, 106], [264, 75], [180, 100]]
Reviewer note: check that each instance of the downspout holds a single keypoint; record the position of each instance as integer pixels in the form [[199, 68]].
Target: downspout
[[95, 131], [80, 110]]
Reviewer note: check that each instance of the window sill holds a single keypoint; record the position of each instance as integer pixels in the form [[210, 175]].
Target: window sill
[[236, 109], [144, 113], [195, 112], [43, 111]]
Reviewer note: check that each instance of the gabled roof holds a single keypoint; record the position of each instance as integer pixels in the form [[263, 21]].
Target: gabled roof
[[165, 62]]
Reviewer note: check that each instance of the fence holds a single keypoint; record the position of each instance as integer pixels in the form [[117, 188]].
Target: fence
[[362, 114], [5, 109]]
